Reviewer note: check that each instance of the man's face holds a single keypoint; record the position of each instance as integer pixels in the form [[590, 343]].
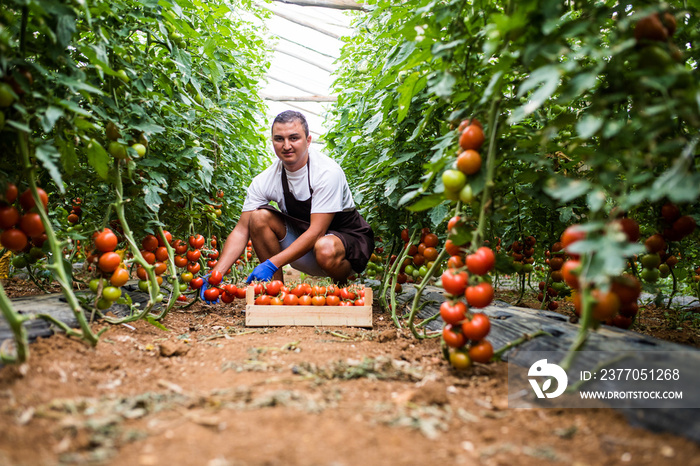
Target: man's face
[[291, 144]]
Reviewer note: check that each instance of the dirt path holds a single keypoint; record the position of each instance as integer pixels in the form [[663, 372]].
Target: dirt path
[[288, 396]]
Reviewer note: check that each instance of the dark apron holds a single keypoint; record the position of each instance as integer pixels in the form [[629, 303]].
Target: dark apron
[[354, 232]]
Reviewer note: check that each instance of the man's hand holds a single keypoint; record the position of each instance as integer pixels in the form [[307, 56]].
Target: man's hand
[[263, 272], [205, 286]]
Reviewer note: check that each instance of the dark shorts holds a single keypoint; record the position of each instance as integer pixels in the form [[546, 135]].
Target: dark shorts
[[358, 244]]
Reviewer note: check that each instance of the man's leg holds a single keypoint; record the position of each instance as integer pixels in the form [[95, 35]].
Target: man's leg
[[330, 255], [266, 231]]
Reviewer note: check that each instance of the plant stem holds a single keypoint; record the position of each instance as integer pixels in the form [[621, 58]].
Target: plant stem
[[14, 320], [512, 344], [419, 292], [62, 276]]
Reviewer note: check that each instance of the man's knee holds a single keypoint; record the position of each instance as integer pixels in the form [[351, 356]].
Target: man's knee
[[329, 252], [262, 220]]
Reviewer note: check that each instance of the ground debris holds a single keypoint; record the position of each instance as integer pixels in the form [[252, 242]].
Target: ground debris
[[171, 348], [380, 368]]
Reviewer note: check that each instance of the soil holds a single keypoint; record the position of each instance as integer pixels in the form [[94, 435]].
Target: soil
[[210, 391]]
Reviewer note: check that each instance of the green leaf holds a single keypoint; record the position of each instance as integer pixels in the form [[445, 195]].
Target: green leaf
[[99, 159], [49, 157], [588, 125], [406, 92], [152, 320], [427, 202], [50, 117], [566, 190], [443, 87], [547, 78]]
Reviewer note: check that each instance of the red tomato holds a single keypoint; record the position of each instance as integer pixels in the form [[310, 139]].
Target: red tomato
[[290, 299], [149, 243], [346, 294], [105, 240], [14, 239], [211, 294], [570, 271], [453, 312], [571, 235], [215, 277], [479, 295], [481, 352], [180, 246], [263, 300], [26, 200], [318, 300], [9, 217], [305, 300], [276, 301], [148, 256], [452, 248], [109, 261], [197, 241], [180, 261], [227, 297], [193, 267], [274, 287], [318, 290], [161, 253], [452, 337], [454, 282], [193, 255], [332, 290], [160, 268], [360, 302], [332, 300], [477, 328], [240, 292], [11, 192], [297, 290], [119, 277], [482, 261], [258, 288], [196, 283]]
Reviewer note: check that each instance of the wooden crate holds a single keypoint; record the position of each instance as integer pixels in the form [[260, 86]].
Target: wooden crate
[[327, 316]]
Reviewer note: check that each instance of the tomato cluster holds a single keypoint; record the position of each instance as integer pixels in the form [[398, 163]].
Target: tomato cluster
[[118, 149], [276, 293], [618, 305], [420, 258], [468, 162], [22, 229], [659, 259], [554, 287], [154, 252], [467, 285], [76, 211], [247, 255], [109, 267], [523, 253], [375, 266]]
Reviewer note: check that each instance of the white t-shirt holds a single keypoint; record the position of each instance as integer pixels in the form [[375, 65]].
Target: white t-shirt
[[331, 190]]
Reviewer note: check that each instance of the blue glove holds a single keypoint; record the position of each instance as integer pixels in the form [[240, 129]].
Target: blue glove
[[263, 272], [205, 287]]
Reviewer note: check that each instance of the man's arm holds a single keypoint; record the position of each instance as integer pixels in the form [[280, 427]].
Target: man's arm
[[305, 242], [235, 244]]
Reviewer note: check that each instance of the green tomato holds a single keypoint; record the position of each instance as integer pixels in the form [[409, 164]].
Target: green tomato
[[651, 261], [111, 293], [409, 270], [664, 270], [117, 150], [183, 287], [121, 74], [416, 273], [36, 253], [423, 271], [650, 275], [528, 268], [466, 195], [452, 195], [143, 285], [103, 304], [94, 284], [159, 298], [7, 97], [453, 180], [140, 149], [19, 262]]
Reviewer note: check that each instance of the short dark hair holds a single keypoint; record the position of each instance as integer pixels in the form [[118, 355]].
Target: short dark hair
[[289, 116]]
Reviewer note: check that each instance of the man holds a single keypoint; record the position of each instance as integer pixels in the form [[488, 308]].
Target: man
[[317, 230]]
